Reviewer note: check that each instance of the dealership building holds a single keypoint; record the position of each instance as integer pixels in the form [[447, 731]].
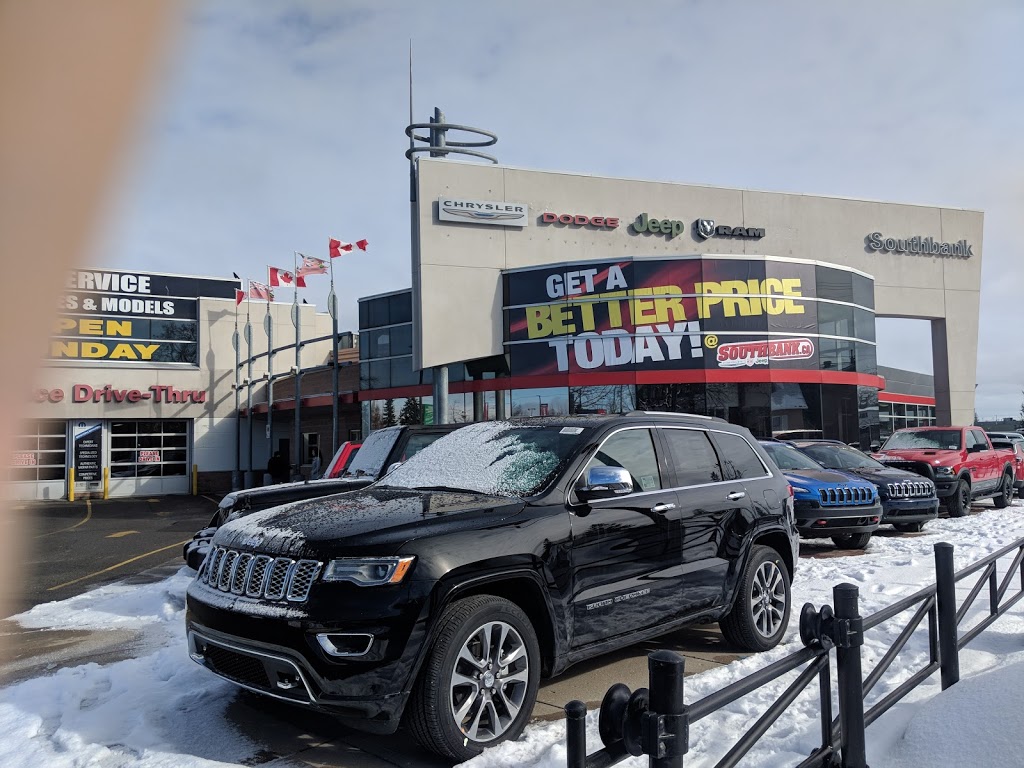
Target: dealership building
[[542, 293], [533, 293], [138, 393]]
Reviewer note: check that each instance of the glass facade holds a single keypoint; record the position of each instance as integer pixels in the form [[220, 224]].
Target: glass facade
[[893, 416], [40, 452]]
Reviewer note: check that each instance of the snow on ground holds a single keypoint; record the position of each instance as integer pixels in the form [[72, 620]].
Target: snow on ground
[[162, 710]]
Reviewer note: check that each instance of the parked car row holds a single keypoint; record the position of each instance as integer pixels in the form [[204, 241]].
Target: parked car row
[[440, 576]]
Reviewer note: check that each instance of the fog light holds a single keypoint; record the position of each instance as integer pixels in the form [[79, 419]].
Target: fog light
[[342, 644]]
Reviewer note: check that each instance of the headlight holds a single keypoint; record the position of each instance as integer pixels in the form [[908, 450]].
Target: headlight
[[799, 489], [944, 471], [369, 571]]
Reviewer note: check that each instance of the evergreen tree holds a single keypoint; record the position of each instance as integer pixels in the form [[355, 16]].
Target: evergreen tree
[[411, 412], [389, 413]]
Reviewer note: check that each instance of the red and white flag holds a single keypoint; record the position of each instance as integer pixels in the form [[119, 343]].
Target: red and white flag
[[361, 244], [284, 277], [311, 266], [260, 291], [239, 295], [336, 247]]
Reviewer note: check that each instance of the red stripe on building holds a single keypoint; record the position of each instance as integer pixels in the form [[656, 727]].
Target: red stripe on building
[[896, 397]]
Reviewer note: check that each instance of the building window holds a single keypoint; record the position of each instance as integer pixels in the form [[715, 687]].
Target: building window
[[149, 448], [40, 452]]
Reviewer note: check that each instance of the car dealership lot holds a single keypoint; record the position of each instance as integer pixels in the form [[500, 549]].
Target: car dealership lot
[[278, 734]]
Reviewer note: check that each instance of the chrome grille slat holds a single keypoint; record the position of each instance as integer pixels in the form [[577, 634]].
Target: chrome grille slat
[[259, 576]]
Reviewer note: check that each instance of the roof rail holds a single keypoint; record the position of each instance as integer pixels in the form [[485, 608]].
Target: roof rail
[[637, 412]]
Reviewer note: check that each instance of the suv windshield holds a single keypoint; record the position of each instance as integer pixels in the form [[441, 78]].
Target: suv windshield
[[840, 457], [789, 459], [496, 458], [369, 459], [938, 439]]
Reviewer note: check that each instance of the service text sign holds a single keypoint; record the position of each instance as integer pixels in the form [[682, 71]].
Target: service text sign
[[88, 451]]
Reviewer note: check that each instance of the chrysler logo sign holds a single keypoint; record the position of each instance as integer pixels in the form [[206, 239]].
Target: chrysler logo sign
[[705, 228], [494, 213]]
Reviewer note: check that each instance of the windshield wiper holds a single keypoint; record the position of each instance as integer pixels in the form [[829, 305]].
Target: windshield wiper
[[451, 488]]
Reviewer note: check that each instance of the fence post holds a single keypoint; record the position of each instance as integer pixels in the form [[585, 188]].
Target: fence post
[[666, 732], [849, 631], [945, 605], [575, 734]]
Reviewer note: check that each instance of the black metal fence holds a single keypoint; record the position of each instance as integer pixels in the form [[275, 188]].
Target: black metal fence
[[656, 721]]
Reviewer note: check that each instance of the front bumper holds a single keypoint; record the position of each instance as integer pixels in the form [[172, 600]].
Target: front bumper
[[909, 510], [946, 486], [274, 650], [814, 521]]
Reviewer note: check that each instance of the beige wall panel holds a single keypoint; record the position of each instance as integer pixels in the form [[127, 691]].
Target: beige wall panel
[[471, 301]]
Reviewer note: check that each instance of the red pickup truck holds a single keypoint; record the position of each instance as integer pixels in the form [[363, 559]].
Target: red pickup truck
[[960, 460]]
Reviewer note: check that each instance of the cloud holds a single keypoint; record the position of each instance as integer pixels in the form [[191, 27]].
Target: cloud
[[280, 124]]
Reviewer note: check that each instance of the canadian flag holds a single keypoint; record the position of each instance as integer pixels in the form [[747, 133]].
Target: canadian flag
[[337, 247], [284, 277]]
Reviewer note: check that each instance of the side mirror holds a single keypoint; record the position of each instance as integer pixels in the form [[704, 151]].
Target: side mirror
[[394, 466], [604, 483]]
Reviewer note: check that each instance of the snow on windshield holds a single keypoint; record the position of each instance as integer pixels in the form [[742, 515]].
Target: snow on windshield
[[937, 439], [370, 458], [496, 458]]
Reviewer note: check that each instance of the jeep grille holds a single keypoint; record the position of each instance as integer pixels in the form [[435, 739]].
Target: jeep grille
[[910, 490], [259, 576], [843, 495]]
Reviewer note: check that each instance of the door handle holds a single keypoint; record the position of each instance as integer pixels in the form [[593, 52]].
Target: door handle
[[736, 495], [663, 507]]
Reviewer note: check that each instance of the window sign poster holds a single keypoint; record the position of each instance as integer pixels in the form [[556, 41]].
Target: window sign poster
[[149, 455], [88, 451]]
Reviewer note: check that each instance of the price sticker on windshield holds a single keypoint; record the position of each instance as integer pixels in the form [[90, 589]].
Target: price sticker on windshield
[[571, 431]]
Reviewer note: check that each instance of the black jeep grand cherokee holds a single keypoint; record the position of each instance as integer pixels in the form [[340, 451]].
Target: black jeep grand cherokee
[[504, 552]]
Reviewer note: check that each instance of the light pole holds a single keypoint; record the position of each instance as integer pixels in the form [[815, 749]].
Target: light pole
[[539, 404]]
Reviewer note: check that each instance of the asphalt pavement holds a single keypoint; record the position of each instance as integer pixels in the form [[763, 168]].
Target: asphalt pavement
[[75, 547]]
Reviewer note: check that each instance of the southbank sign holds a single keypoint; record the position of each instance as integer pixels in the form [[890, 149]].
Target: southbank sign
[[924, 246]]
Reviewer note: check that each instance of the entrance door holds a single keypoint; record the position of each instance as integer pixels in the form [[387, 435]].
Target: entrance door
[[88, 456]]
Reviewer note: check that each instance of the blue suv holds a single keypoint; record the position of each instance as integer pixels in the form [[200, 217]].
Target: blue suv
[[829, 504]]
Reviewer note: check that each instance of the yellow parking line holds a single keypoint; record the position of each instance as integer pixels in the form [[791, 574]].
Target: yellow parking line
[[119, 565], [119, 534], [88, 516]]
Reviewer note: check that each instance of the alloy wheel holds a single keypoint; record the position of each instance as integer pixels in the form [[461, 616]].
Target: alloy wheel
[[768, 599], [489, 681]]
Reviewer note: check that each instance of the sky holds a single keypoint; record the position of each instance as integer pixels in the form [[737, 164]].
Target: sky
[[160, 709], [275, 125]]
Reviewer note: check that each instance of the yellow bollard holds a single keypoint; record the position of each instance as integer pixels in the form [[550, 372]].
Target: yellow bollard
[[195, 479], [106, 482], [71, 484]]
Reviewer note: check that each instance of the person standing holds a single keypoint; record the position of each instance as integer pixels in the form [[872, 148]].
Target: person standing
[[314, 472]]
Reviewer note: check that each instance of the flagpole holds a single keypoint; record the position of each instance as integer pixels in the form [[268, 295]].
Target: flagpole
[[332, 307], [248, 395], [268, 326], [236, 476], [298, 373]]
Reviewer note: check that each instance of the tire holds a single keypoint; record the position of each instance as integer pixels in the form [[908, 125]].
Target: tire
[[464, 700], [959, 504], [1005, 495], [760, 614], [851, 540], [908, 527]]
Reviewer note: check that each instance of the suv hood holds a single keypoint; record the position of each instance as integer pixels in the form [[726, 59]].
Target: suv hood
[[822, 477], [301, 489], [375, 521], [884, 476]]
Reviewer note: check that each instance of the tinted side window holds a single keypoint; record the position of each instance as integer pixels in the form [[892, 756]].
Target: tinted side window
[[979, 438], [739, 462], [632, 449], [417, 442], [693, 456]]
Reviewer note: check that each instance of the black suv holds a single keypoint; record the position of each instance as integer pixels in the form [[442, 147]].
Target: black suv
[[504, 552], [379, 453]]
